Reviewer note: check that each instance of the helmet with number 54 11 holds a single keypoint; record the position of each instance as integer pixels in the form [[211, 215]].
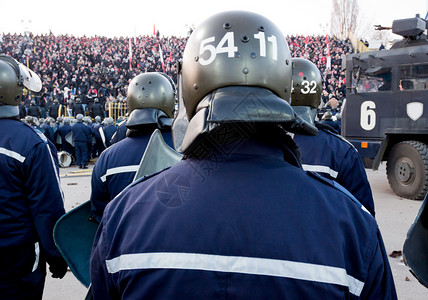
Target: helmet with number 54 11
[[236, 68]]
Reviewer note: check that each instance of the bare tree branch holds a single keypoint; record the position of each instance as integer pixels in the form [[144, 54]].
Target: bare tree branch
[[344, 17]]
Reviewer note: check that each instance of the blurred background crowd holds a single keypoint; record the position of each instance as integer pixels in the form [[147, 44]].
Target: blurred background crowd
[[76, 71]]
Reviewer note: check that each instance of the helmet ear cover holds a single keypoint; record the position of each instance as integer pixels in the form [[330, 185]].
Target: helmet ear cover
[[14, 65]]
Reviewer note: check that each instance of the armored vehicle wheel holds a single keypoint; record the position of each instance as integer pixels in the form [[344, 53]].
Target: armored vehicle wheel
[[407, 169]]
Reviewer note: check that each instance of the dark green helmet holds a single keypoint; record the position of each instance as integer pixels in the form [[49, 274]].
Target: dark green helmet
[[151, 90], [307, 88], [235, 48], [14, 77]]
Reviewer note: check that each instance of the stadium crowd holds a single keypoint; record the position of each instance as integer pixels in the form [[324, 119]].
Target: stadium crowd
[[86, 68]]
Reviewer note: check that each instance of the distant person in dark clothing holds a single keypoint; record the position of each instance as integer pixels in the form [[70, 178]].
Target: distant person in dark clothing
[[97, 109], [34, 109], [77, 107], [53, 109]]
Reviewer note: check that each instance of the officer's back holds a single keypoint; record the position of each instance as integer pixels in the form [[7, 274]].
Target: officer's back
[[238, 218], [81, 132]]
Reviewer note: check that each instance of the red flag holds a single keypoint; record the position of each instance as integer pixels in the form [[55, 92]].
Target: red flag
[[154, 29], [328, 53], [161, 58], [130, 53]]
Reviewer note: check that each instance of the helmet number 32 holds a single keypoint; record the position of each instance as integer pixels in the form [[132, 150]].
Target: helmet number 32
[[309, 87], [227, 45]]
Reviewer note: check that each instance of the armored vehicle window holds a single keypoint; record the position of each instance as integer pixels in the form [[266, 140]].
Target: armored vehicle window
[[413, 77], [372, 80]]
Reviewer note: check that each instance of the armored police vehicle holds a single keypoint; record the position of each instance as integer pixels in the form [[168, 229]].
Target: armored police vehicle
[[386, 112]]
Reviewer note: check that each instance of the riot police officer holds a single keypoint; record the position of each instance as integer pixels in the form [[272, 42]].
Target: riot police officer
[[99, 146], [238, 218], [109, 130], [81, 136], [48, 130], [64, 130], [31, 200], [327, 153], [150, 99]]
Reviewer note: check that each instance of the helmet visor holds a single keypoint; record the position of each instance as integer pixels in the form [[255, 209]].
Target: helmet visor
[[30, 79]]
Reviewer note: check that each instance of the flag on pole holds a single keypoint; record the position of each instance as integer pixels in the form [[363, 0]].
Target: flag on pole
[[328, 53], [161, 57], [154, 29], [130, 53]]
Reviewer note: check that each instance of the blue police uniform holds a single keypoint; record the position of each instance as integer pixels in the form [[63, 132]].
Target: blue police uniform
[[207, 230], [333, 157], [81, 135], [120, 133], [48, 131], [31, 201], [109, 131], [335, 125], [99, 146], [63, 130], [116, 168]]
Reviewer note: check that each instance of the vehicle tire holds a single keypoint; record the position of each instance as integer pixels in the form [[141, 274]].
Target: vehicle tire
[[407, 169]]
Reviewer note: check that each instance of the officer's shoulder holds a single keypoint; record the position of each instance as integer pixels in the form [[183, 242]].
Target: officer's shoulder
[[144, 179], [30, 135], [328, 130], [333, 184]]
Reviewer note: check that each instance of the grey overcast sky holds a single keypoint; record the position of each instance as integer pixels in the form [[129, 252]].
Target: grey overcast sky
[[173, 17]]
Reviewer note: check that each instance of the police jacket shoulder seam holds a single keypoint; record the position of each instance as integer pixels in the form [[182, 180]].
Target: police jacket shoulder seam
[[144, 178], [337, 187]]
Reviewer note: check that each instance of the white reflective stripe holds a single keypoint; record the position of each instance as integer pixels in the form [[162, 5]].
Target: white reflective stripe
[[320, 169], [37, 251], [123, 169], [56, 173], [12, 154], [236, 264]]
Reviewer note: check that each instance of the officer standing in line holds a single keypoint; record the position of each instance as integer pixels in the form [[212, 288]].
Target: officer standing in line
[[238, 217], [81, 135], [327, 153], [31, 200], [109, 130], [99, 146], [63, 130], [88, 123], [150, 101], [48, 130]]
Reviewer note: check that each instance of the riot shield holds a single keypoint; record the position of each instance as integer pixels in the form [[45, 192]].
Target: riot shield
[[157, 156], [415, 249], [180, 123], [74, 234], [69, 138]]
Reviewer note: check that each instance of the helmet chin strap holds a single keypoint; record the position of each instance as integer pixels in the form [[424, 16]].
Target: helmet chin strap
[[8, 111]]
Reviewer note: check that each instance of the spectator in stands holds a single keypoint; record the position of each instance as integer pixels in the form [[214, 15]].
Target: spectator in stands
[[71, 66]]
